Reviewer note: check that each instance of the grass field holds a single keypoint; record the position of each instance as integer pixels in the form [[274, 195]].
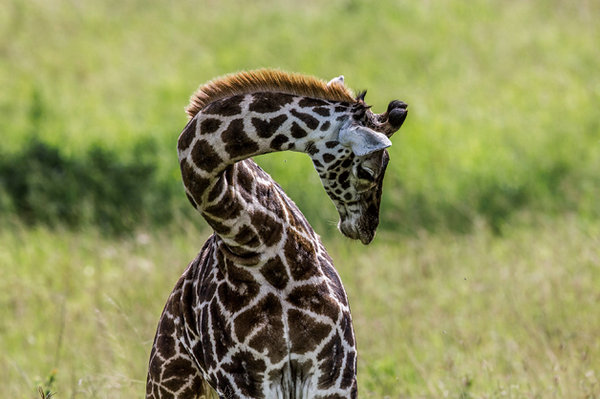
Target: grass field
[[483, 281], [467, 316]]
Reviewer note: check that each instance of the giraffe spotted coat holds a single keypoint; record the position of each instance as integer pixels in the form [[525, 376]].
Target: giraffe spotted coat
[[261, 311]]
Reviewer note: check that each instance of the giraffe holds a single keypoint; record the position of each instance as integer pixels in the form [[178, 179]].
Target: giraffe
[[261, 312]]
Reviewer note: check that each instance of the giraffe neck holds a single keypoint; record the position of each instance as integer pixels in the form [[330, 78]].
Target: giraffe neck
[[244, 206]]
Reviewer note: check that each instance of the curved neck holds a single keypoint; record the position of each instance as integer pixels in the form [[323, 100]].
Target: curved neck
[[238, 199]]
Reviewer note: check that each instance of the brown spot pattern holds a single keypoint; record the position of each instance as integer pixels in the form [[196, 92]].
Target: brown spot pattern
[[239, 289], [209, 125], [205, 157], [331, 357], [266, 129], [219, 227], [308, 102], [305, 332], [247, 236], [194, 183], [177, 368], [311, 148], [349, 371], [297, 131], [300, 256], [209, 350], [346, 327], [314, 298], [227, 208], [187, 135], [332, 275], [245, 370], [269, 229], [217, 189], [266, 315], [274, 272], [310, 121], [225, 106], [278, 141], [166, 344], [221, 330], [328, 157], [322, 111], [237, 143], [271, 201], [269, 102]]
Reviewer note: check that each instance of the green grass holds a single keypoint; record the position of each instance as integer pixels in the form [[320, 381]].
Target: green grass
[[469, 316], [502, 145]]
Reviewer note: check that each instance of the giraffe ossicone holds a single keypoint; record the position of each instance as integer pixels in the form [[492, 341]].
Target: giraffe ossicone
[[261, 312], [339, 80]]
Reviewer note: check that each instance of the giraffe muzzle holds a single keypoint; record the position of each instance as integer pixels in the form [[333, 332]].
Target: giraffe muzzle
[[397, 117], [397, 111], [356, 233]]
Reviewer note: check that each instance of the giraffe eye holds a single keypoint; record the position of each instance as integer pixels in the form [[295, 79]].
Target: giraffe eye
[[364, 173]]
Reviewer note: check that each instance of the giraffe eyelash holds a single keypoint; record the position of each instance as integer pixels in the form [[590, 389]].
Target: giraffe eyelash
[[365, 174]]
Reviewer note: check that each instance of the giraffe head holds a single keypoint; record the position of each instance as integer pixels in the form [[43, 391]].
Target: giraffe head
[[353, 166]]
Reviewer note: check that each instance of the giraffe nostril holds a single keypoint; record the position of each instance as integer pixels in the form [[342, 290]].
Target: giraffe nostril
[[396, 104]]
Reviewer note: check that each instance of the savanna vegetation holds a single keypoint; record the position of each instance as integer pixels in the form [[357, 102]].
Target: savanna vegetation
[[484, 279]]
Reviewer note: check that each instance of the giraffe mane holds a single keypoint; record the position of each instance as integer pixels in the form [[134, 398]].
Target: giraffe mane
[[271, 80]]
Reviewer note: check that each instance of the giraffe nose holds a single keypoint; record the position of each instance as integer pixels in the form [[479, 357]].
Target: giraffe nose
[[397, 116]]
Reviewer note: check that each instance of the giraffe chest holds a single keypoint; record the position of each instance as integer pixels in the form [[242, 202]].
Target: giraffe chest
[[280, 329]]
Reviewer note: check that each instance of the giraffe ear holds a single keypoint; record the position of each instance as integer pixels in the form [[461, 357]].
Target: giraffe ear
[[336, 81], [363, 140]]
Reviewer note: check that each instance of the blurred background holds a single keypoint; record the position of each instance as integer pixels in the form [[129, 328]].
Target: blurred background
[[484, 279]]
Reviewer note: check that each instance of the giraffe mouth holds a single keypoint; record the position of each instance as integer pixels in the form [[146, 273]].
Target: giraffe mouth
[[366, 240], [364, 235]]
